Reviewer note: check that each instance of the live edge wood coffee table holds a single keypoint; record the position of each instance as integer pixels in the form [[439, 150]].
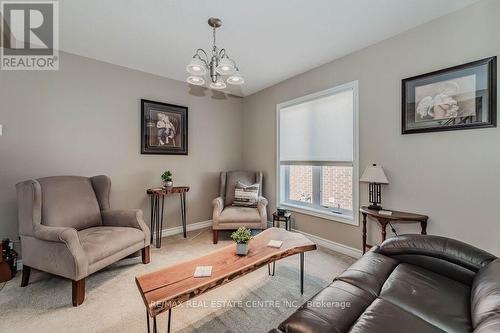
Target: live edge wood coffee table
[[168, 287]]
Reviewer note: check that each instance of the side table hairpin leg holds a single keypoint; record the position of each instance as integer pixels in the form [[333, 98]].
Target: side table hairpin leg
[[152, 223], [157, 219], [160, 222], [183, 212]]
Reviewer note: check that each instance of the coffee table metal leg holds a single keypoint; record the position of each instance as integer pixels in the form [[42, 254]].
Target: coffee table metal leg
[[155, 330], [302, 273], [147, 320], [269, 268], [169, 319]]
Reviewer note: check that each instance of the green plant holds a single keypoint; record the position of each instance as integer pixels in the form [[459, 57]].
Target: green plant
[[242, 235], [167, 176]]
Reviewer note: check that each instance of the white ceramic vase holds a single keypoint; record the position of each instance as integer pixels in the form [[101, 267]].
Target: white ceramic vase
[[242, 249]]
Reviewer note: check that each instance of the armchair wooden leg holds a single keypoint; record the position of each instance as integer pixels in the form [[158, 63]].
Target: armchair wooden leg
[[146, 255], [26, 276], [78, 292], [216, 236]]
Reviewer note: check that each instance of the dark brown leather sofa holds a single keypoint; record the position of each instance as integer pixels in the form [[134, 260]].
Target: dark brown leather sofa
[[410, 283]]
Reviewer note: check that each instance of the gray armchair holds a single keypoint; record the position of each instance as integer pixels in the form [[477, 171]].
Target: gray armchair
[[228, 217], [68, 229]]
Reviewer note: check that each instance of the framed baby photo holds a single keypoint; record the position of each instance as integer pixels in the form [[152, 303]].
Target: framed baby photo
[[164, 128], [455, 98]]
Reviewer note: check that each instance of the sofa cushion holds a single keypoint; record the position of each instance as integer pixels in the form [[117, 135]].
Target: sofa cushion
[[441, 301], [383, 317], [332, 310], [232, 179], [485, 294], [69, 201], [369, 272], [235, 214], [102, 242]]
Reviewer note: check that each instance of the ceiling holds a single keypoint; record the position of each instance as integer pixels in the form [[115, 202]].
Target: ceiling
[[271, 40]]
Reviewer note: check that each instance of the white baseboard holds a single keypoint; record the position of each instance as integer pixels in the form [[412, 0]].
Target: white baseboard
[[189, 227], [334, 246]]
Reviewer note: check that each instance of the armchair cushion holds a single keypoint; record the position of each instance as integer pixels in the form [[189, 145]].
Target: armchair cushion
[[102, 242], [69, 201], [235, 214]]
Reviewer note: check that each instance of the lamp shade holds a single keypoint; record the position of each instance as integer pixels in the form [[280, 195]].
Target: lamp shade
[[374, 174]]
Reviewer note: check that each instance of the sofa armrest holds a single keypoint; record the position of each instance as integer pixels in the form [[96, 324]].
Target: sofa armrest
[[439, 248], [68, 237], [55, 234], [218, 205], [131, 218], [262, 208]]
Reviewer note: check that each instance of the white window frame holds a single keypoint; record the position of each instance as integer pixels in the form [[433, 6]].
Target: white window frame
[[323, 213]]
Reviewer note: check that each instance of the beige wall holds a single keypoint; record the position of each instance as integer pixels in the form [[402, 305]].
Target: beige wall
[[454, 177], [85, 120]]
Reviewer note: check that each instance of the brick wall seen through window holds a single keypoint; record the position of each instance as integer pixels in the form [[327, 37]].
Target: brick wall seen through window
[[336, 185]]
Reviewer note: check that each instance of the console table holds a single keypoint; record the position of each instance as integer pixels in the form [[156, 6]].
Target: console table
[[157, 195], [396, 216]]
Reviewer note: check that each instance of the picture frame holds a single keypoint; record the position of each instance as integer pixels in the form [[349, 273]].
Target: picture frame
[[455, 98], [164, 128]]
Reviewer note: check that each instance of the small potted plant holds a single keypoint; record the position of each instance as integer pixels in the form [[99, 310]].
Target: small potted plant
[[167, 178], [242, 237]]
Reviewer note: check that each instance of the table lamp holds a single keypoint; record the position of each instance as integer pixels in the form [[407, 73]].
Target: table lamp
[[374, 174]]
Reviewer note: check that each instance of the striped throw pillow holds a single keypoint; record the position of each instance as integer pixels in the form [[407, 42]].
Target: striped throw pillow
[[246, 195]]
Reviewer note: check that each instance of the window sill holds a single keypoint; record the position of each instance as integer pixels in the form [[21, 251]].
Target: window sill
[[321, 214]]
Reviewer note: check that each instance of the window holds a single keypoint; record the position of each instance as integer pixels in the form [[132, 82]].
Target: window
[[317, 154]]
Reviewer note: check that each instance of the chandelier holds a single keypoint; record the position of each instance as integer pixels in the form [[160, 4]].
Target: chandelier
[[218, 66]]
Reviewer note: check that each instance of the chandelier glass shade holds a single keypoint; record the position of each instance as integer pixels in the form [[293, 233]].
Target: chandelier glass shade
[[219, 84], [196, 67], [217, 66], [196, 80], [236, 79]]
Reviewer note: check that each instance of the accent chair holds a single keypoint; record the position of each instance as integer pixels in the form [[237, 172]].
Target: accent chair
[[68, 229], [229, 217]]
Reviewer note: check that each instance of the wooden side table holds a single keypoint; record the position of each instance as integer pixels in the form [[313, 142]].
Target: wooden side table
[[157, 195], [278, 219], [383, 220]]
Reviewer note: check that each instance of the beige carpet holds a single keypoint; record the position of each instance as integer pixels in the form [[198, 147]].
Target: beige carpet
[[254, 303]]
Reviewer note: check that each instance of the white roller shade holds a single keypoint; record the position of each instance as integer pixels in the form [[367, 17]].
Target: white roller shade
[[320, 130]]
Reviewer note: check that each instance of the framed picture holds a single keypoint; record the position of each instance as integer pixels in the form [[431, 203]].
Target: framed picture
[[455, 98], [164, 128]]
